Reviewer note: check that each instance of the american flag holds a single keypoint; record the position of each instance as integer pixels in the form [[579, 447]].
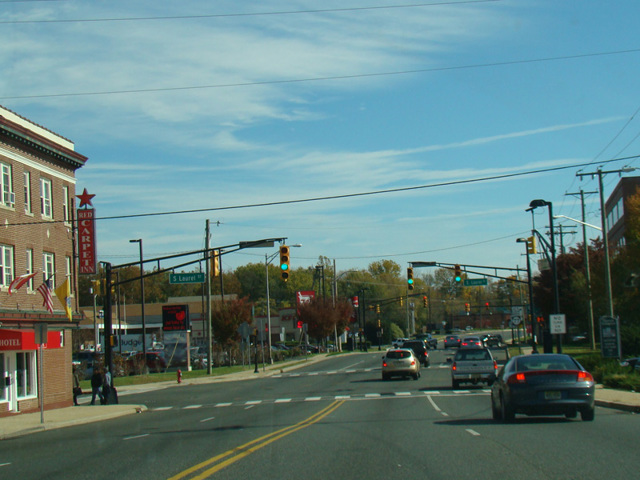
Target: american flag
[[45, 291]]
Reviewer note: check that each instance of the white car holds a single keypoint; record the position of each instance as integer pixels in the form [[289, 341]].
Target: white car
[[398, 342]]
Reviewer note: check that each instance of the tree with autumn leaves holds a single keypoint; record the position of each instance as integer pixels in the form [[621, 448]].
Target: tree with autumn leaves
[[324, 318]]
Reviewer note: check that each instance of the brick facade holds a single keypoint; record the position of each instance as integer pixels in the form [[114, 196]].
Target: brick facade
[[45, 157]]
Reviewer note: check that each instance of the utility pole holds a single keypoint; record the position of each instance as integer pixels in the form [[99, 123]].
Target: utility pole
[[207, 258], [587, 269], [605, 240]]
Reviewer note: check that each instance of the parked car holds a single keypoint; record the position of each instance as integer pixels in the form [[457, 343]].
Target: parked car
[[155, 362], [452, 341], [543, 384], [420, 350], [632, 363], [400, 362], [471, 342]]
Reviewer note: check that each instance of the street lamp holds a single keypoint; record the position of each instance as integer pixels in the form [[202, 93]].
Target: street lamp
[[543, 203], [530, 285], [267, 260], [144, 329]]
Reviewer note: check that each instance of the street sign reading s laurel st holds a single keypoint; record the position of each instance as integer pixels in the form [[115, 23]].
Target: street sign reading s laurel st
[[186, 277], [475, 282]]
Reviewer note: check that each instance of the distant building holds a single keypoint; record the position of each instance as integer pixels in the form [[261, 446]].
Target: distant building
[[615, 209], [37, 184]]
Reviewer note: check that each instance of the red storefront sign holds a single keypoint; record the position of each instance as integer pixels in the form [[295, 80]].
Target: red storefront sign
[[305, 297], [26, 340], [86, 241]]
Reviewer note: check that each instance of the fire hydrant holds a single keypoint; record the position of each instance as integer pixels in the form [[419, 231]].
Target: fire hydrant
[[179, 376]]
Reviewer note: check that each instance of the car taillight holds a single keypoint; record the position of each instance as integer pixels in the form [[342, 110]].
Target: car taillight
[[384, 364], [585, 377], [495, 365], [413, 362], [517, 378]]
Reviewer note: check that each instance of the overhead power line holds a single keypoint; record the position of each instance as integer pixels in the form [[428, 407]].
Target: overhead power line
[[321, 79], [347, 195]]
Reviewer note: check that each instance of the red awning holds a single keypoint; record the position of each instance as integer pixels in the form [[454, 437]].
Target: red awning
[[26, 340]]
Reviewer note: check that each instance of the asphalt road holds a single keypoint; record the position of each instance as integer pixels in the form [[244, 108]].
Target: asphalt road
[[333, 419]]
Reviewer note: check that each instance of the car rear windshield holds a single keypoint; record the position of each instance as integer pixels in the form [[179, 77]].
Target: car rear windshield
[[398, 354], [546, 362], [473, 355]]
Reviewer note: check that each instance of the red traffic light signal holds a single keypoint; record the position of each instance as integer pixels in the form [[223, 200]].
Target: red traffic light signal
[[299, 324], [425, 301]]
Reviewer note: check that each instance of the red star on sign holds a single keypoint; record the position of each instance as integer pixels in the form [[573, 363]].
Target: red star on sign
[[85, 199]]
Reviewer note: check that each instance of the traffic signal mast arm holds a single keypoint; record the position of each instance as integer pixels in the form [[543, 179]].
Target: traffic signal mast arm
[[452, 266]]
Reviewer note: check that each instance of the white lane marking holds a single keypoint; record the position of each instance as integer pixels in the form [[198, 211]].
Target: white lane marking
[[352, 365], [312, 374], [461, 391], [433, 404], [191, 407], [253, 402], [350, 371], [250, 406], [223, 404], [473, 432], [159, 409], [444, 414], [342, 397], [294, 375], [283, 400], [371, 395], [136, 436], [4, 464], [332, 372], [313, 399], [207, 419], [432, 392], [402, 394]]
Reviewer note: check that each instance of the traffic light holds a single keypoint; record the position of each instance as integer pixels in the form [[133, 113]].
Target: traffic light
[[486, 306], [379, 323], [215, 264], [401, 301], [410, 278], [457, 273], [531, 245], [284, 262], [299, 324], [467, 308], [377, 308], [425, 301]]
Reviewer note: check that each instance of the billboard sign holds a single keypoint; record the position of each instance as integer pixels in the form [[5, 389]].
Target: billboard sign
[[175, 318]]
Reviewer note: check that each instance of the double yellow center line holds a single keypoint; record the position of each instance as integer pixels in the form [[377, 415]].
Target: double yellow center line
[[231, 456]]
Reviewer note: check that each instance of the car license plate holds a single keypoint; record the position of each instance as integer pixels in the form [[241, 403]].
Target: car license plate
[[552, 395]]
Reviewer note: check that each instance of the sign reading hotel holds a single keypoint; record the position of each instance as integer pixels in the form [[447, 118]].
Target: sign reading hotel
[[86, 235]]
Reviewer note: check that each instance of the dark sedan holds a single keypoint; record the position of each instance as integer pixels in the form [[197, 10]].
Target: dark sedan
[[543, 384]]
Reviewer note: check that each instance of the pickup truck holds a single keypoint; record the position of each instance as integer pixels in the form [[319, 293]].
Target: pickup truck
[[473, 365], [428, 339]]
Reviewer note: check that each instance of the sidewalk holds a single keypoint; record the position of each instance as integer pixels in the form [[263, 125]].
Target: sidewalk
[[26, 423], [23, 424]]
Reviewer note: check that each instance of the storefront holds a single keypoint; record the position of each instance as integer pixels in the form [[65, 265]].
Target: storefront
[[20, 372]]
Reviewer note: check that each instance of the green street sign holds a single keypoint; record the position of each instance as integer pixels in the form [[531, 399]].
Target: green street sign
[[475, 282], [186, 278]]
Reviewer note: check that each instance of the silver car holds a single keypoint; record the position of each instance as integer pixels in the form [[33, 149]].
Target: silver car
[[400, 362]]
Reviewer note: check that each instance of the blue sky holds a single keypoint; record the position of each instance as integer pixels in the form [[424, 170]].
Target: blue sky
[[203, 105]]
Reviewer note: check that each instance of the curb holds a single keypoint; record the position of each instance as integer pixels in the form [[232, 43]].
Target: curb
[[618, 406]]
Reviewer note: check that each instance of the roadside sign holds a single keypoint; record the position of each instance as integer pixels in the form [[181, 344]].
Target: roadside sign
[[475, 282], [517, 313], [178, 278], [557, 324], [610, 337]]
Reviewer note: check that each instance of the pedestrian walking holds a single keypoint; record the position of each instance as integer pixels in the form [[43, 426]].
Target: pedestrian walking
[[77, 391], [106, 386], [96, 386]]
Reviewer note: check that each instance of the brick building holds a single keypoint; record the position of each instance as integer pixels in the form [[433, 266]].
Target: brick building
[[37, 183], [615, 209]]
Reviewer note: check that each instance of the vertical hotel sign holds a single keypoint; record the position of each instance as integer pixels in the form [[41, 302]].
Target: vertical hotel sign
[[86, 235]]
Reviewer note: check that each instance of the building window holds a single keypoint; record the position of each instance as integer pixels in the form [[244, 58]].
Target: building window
[[27, 192], [30, 269], [6, 265], [8, 197], [48, 267], [65, 204], [26, 374], [45, 198]]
